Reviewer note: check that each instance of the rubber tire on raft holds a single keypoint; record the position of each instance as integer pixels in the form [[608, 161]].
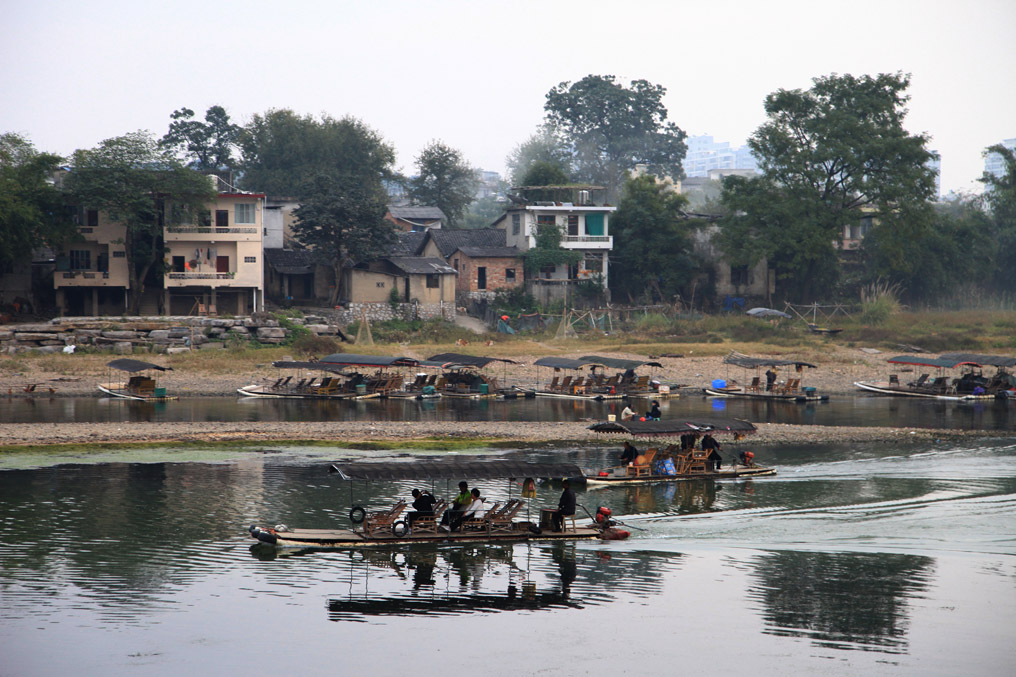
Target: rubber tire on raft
[[400, 528], [357, 514]]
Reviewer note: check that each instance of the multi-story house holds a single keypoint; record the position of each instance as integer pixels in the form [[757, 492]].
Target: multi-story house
[[214, 258], [584, 221], [91, 273]]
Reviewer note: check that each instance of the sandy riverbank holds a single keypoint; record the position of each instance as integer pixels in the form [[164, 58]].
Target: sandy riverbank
[[30, 434], [838, 368]]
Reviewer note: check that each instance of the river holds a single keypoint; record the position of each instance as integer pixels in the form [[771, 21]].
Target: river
[[853, 559], [839, 411]]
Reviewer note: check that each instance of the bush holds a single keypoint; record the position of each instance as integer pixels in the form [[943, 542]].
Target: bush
[[879, 302], [311, 344]]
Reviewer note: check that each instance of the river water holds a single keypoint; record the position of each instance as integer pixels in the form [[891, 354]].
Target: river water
[[860, 559], [843, 410]]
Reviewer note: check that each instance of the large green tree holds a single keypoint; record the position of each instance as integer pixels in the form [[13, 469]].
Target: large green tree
[[205, 145], [133, 181], [652, 256], [32, 211], [445, 180], [612, 128], [829, 156], [343, 217], [284, 153]]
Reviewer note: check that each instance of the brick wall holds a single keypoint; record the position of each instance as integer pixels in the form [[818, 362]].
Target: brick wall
[[467, 267]]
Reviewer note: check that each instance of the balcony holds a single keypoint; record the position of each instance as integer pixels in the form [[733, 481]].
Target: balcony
[[202, 276], [588, 242], [206, 233], [87, 278]]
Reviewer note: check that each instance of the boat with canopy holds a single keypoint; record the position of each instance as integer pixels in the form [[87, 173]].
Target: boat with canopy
[[687, 460], [464, 377], [765, 387], [972, 385], [626, 381], [500, 521], [580, 387], [142, 384], [336, 377]]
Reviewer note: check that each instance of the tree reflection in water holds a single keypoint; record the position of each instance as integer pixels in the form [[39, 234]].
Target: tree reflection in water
[[841, 600]]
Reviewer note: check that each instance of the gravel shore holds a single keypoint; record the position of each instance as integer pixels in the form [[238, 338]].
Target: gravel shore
[[31, 434]]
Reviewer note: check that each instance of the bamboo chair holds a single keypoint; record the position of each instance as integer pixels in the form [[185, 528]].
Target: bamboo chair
[[501, 521], [646, 467], [553, 383], [428, 524], [382, 520]]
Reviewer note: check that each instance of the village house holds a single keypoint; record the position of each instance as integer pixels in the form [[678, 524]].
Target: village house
[[583, 219], [417, 219]]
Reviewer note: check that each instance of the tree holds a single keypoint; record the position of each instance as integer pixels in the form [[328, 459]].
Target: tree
[[206, 145], [343, 217], [548, 251], [543, 173], [132, 180], [652, 245], [1000, 201], [544, 147], [444, 180], [32, 212], [284, 152], [829, 157], [612, 128]]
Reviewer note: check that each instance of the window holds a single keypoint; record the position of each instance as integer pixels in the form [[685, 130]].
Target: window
[[432, 281], [739, 276], [455, 263], [545, 220], [481, 277], [509, 274], [379, 285], [250, 259], [222, 218], [119, 254], [179, 264], [81, 259], [573, 224], [516, 223], [92, 218], [244, 213]]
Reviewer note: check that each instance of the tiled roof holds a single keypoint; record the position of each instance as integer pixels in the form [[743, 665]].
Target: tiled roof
[[421, 264], [490, 252], [448, 241], [409, 244], [294, 261], [414, 213]]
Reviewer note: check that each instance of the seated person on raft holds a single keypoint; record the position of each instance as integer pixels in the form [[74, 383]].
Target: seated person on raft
[[475, 509], [423, 506], [459, 504], [565, 506]]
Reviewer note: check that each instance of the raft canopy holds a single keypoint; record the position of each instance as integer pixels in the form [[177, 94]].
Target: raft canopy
[[452, 470], [566, 362], [618, 363], [927, 361], [354, 360], [676, 427], [467, 360], [126, 364], [741, 360], [975, 358], [320, 366]]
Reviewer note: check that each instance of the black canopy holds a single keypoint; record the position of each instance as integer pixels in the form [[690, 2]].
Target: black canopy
[[618, 363], [676, 427], [740, 360], [126, 364], [330, 368], [467, 360], [354, 360], [452, 470], [564, 362]]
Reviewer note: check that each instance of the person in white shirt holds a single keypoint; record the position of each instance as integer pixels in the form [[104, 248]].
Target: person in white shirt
[[475, 509]]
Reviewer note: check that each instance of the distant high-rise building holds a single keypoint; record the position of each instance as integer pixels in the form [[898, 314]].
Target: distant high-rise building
[[993, 162], [934, 163], [705, 154]]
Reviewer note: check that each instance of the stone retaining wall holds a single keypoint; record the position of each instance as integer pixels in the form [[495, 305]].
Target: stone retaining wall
[[382, 312], [153, 334]]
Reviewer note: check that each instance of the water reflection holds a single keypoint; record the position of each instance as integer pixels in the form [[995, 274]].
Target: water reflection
[[434, 579], [841, 600], [842, 410]]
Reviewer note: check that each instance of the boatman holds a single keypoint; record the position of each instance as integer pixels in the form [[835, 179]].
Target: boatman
[[423, 506], [629, 454], [713, 459], [565, 506]]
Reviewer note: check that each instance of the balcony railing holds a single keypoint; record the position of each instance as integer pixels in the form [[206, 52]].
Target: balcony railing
[[587, 238], [202, 276], [209, 229]]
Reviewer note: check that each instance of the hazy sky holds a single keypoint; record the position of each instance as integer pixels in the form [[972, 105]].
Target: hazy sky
[[474, 74]]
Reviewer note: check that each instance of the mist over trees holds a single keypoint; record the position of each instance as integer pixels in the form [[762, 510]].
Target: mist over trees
[[610, 129]]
